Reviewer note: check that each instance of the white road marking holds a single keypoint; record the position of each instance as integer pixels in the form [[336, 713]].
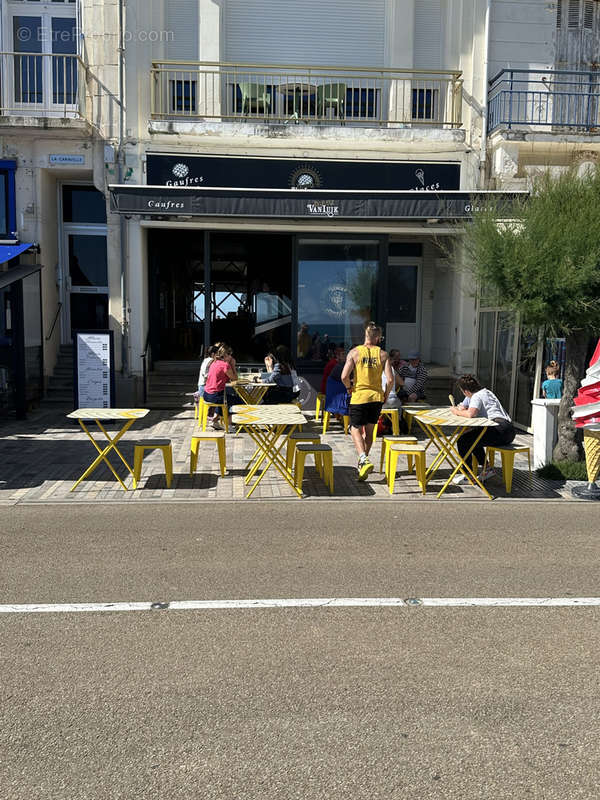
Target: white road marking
[[318, 602]]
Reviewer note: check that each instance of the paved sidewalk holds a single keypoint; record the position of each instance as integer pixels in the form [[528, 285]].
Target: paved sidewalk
[[41, 458]]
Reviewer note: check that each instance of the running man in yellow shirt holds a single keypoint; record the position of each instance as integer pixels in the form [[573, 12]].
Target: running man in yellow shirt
[[367, 361]]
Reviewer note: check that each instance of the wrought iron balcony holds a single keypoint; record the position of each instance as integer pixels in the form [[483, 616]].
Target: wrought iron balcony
[[554, 100], [185, 90], [55, 86]]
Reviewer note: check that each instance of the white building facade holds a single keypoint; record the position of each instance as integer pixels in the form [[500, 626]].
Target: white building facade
[[267, 173]]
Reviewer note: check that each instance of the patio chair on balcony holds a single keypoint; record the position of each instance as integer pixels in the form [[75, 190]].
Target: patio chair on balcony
[[331, 95], [255, 97]]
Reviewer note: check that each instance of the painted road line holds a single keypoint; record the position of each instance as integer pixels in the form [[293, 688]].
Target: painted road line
[[318, 602]]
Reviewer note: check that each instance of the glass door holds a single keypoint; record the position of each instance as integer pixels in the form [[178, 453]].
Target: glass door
[[87, 281]]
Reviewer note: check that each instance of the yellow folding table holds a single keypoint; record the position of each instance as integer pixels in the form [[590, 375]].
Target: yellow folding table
[[99, 415], [444, 429], [250, 391], [266, 425]]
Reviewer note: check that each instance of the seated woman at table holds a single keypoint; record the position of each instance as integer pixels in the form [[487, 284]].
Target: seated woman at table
[[480, 402], [281, 371], [337, 399], [221, 371]]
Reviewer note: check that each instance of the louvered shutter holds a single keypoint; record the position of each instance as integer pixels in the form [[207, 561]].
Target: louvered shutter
[[428, 35], [337, 32], [182, 20]]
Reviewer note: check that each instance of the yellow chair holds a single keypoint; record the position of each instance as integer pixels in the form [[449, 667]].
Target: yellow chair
[[319, 408], [296, 439], [219, 438], [327, 417], [386, 441], [507, 455], [140, 448], [323, 461], [203, 419], [416, 451], [394, 415]]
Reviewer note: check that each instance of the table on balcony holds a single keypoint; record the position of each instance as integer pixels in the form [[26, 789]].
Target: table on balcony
[[298, 100]]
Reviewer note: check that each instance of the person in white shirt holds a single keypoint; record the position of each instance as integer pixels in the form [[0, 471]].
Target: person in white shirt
[[205, 366], [480, 402]]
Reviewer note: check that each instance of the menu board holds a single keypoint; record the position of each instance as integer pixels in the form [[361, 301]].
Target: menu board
[[94, 369]]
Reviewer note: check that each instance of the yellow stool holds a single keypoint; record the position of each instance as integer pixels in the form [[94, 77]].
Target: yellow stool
[[386, 441], [203, 419], [152, 444], [323, 461], [296, 439], [197, 408], [507, 455], [327, 417], [319, 408], [219, 438], [416, 451], [394, 415]]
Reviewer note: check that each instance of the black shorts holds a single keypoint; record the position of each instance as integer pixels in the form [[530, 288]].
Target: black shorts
[[364, 414]]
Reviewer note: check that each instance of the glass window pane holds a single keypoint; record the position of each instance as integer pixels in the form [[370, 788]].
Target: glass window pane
[[64, 68], [402, 293], [4, 204], [485, 349], [32, 325], [83, 204], [88, 261], [525, 378], [505, 341], [336, 293], [27, 69]]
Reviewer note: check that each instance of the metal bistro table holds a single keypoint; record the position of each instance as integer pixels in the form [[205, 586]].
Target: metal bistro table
[[265, 426], [99, 415], [250, 391], [444, 429]]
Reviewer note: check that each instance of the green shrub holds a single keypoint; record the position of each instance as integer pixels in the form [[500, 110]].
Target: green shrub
[[564, 471]]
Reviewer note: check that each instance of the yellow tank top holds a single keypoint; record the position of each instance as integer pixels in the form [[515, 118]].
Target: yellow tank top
[[367, 376]]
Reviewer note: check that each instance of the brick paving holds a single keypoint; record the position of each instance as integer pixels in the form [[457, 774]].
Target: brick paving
[[41, 458]]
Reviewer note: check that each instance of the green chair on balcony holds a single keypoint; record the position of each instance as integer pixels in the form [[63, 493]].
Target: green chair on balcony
[[331, 95], [255, 97]]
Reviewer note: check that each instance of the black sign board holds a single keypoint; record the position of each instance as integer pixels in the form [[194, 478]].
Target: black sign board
[[327, 205], [282, 173]]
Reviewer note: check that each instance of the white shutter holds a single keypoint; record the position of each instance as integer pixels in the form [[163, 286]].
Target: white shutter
[[184, 30], [428, 34], [337, 32]]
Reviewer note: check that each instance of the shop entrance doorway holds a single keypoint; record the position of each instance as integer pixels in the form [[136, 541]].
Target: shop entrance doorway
[[250, 293]]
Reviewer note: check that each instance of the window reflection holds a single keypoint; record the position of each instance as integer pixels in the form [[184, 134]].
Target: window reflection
[[337, 283]]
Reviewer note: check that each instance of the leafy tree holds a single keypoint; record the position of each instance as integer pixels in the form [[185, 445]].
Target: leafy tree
[[542, 258]]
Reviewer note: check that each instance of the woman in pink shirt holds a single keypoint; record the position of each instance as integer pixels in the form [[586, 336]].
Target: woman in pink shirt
[[221, 371]]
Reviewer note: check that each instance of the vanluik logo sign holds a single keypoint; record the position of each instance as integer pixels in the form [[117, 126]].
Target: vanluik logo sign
[[323, 208], [181, 173]]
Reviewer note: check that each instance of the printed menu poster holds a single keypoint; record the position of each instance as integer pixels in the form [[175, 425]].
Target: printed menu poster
[[93, 364]]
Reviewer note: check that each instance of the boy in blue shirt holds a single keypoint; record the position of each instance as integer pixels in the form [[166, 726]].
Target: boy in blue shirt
[[552, 387]]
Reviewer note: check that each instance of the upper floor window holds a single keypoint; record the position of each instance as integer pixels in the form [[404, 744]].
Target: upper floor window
[[43, 70]]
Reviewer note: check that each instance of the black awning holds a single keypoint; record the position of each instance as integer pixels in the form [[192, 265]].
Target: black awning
[[18, 273], [299, 203]]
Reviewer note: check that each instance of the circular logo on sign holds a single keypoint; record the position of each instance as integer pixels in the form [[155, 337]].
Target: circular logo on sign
[[333, 301], [181, 170], [305, 177]]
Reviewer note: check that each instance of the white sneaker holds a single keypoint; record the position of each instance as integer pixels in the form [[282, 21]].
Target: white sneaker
[[486, 474], [216, 424], [460, 480]]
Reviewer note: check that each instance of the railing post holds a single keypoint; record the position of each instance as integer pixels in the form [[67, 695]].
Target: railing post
[[510, 99]]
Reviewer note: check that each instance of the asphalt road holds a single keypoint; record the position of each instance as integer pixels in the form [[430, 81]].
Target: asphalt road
[[300, 703]]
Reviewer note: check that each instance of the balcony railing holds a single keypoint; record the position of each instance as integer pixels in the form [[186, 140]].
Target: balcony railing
[[551, 100], [316, 95], [61, 86]]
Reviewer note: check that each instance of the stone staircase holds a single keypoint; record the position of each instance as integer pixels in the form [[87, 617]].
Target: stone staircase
[[59, 392], [171, 383]]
